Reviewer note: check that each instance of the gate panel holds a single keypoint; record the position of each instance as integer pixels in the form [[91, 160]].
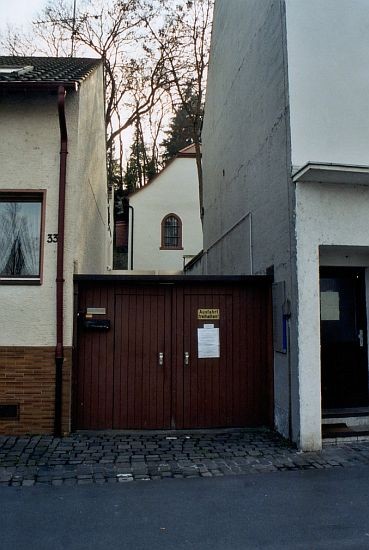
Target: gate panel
[[93, 405], [141, 384], [207, 403], [234, 389]]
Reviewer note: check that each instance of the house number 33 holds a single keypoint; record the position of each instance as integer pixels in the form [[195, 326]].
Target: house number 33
[[52, 237]]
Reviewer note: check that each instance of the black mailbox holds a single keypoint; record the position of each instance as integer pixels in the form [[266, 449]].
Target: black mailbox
[[96, 324]]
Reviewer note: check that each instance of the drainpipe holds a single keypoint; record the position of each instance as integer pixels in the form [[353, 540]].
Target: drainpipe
[[59, 350], [132, 222]]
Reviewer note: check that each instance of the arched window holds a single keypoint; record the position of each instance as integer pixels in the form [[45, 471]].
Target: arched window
[[171, 232]]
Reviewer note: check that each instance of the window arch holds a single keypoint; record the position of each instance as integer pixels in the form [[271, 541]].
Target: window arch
[[171, 232]]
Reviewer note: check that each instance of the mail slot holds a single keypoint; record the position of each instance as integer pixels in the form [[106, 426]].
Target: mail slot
[[96, 324]]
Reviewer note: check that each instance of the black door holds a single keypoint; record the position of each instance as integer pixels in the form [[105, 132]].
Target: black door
[[344, 356]]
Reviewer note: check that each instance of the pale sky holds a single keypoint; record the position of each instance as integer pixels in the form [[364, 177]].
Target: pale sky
[[19, 12]]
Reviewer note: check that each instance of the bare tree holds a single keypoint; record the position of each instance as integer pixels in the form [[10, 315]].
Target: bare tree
[[184, 40], [114, 31], [152, 50], [135, 78], [14, 41]]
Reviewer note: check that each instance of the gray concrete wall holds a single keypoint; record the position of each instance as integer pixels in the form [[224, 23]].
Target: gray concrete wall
[[248, 193]]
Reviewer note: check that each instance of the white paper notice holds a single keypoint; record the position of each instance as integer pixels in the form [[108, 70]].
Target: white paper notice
[[330, 306], [208, 342]]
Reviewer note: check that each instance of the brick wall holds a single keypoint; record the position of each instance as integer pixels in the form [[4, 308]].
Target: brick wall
[[27, 378]]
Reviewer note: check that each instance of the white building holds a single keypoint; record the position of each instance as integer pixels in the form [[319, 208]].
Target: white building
[[285, 157], [165, 229], [52, 145]]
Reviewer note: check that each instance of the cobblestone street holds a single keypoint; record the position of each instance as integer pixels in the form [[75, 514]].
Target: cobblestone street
[[120, 457]]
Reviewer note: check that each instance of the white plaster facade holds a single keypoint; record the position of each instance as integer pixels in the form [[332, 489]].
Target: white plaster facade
[[286, 87], [322, 241], [327, 49], [29, 159], [174, 190]]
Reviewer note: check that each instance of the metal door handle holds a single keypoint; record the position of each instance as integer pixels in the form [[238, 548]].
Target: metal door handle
[[186, 358], [361, 338], [161, 359]]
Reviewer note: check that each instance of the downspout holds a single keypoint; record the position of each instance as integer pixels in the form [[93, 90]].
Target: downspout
[[132, 223], [59, 350]]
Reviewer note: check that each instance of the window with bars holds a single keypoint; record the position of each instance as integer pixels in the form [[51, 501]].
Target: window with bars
[[171, 232]]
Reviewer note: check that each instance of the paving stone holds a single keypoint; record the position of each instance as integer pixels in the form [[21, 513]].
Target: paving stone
[[28, 482], [70, 481], [5, 477], [101, 458]]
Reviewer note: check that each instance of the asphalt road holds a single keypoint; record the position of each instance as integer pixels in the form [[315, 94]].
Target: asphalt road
[[315, 509]]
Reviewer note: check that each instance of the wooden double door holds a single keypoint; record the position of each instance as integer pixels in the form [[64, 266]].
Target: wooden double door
[[176, 356]]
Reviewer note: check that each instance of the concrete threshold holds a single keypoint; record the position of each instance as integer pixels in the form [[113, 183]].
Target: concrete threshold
[[179, 433]]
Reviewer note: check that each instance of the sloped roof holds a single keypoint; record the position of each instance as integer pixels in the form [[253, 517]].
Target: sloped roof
[[186, 152], [45, 71]]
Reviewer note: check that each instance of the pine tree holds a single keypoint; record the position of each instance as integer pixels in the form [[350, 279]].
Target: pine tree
[[140, 168], [180, 134], [181, 131]]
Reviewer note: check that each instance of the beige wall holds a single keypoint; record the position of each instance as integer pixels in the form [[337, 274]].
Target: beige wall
[[88, 201], [29, 159]]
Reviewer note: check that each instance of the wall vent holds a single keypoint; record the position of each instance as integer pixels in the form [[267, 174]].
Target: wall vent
[[9, 411]]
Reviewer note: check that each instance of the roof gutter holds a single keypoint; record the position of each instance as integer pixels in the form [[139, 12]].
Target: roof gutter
[[132, 225], [59, 350], [44, 86]]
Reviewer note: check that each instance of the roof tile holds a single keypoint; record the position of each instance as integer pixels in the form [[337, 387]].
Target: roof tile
[[48, 70]]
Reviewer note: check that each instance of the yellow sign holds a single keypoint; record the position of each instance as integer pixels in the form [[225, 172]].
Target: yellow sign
[[208, 314]]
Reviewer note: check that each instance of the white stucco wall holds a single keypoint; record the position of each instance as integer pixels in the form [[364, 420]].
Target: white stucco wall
[[29, 159], [328, 52], [325, 215], [175, 190]]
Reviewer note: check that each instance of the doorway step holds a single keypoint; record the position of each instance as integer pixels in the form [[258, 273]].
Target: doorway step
[[340, 425]]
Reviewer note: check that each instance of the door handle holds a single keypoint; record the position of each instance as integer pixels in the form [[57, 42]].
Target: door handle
[[161, 359], [361, 338], [186, 358]]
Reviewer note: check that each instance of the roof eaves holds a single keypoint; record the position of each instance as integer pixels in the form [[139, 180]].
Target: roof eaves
[[321, 172], [37, 84], [186, 155]]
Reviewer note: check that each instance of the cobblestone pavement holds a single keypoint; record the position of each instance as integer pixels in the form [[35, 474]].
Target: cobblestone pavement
[[120, 457]]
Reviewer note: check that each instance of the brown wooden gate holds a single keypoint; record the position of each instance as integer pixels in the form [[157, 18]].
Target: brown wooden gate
[[144, 372]]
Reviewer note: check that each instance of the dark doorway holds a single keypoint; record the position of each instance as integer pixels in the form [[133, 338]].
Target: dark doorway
[[343, 327]]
